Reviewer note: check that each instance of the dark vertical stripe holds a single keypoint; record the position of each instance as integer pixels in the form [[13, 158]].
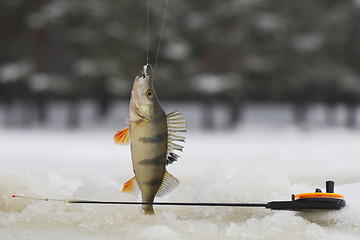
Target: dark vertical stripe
[[159, 160], [158, 118], [153, 183], [154, 139]]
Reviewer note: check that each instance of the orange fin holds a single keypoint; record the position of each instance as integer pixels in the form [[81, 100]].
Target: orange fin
[[130, 186], [122, 136]]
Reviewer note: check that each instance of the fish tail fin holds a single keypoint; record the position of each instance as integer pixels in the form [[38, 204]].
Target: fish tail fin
[[148, 209]]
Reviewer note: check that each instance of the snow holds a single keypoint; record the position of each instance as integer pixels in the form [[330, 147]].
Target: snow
[[251, 164], [213, 84], [12, 72], [177, 51], [86, 67], [307, 42], [268, 22], [40, 82]]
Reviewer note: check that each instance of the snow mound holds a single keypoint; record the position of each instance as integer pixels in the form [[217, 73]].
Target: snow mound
[[224, 181]]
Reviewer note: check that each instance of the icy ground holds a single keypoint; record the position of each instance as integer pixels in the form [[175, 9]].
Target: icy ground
[[251, 164]]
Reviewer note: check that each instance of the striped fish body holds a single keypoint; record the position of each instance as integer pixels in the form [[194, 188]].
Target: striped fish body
[[151, 134], [148, 153]]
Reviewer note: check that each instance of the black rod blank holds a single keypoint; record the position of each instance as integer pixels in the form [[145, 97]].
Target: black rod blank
[[173, 203]]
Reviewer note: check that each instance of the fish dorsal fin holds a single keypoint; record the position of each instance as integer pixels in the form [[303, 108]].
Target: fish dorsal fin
[[172, 157], [122, 137], [168, 184], [175, 123], [131, 186]]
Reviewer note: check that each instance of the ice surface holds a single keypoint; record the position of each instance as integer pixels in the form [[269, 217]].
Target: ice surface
[[247, 165]]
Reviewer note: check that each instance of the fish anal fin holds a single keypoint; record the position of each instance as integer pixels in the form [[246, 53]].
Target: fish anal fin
[[168, 184], [122, 137], [130, 186]]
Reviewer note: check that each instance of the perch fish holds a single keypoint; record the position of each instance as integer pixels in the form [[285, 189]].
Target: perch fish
[[152, 135]]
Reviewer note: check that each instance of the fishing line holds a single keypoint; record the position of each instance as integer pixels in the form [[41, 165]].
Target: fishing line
[[160, 38], [147, 32], [39, 199]]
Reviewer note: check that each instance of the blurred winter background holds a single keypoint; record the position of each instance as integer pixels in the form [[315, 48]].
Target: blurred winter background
[[278, 77], [69, 63]]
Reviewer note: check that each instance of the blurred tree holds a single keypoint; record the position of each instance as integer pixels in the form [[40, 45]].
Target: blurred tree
[[282, 51], [351, 82]]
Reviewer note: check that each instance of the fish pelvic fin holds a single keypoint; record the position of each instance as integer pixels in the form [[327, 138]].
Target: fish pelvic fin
[[175, 123], [130, 186], [168, 184], [122, 137]]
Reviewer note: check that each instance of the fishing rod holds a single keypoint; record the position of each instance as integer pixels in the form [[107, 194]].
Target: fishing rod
[[300, 202]]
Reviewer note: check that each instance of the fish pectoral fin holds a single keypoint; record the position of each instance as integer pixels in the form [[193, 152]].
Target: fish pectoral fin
[[168, 184], [122, 137], [130, 186]]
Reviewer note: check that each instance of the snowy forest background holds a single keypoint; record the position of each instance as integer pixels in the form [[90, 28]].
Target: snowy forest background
[[65, 56]]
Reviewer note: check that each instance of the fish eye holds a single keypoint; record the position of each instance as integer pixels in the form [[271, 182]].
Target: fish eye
[[149, 93]]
